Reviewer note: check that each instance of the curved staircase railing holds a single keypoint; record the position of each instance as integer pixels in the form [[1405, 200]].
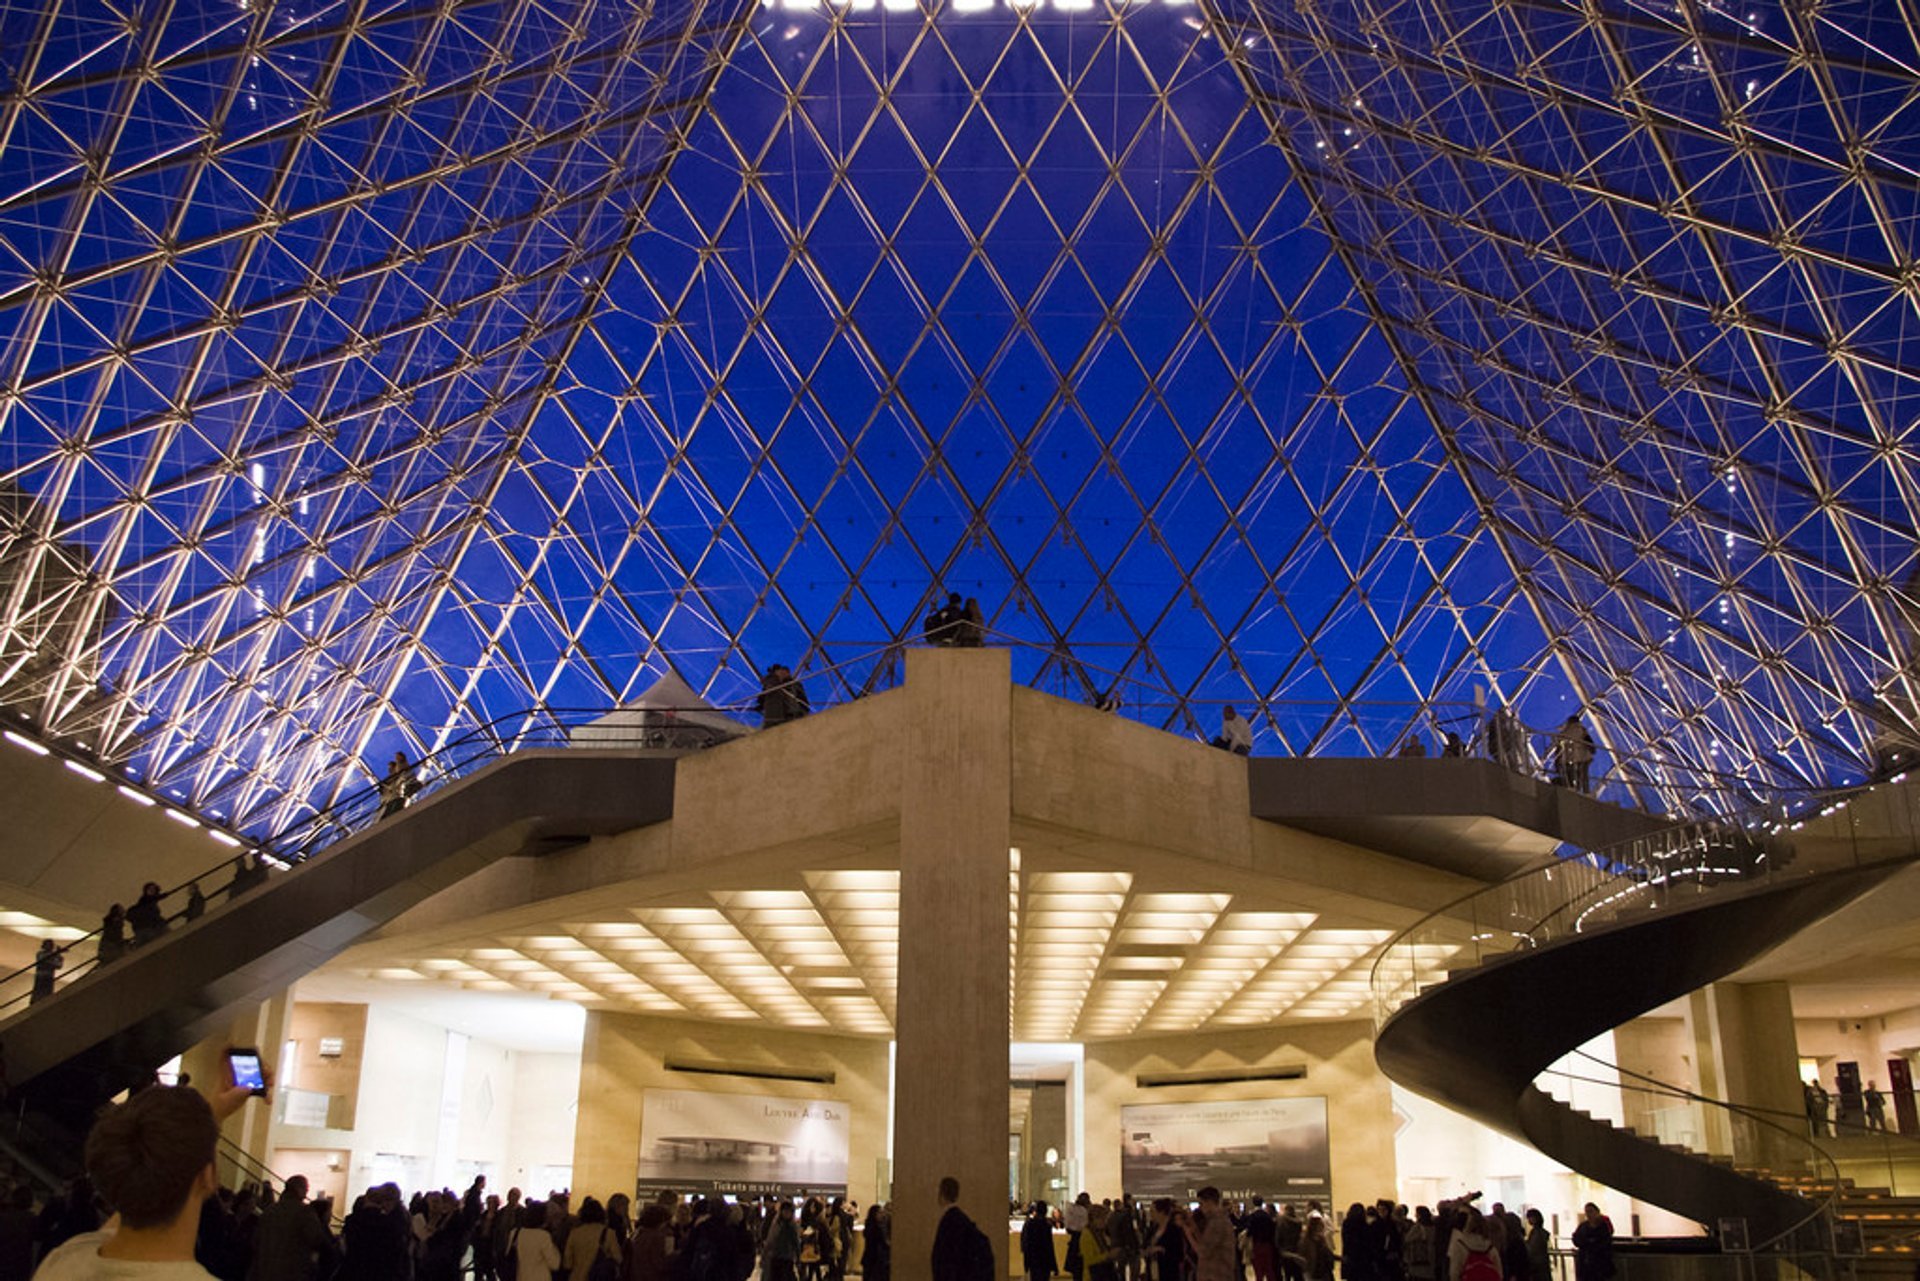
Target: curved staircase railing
[[1612, 934], [1797, 1161]]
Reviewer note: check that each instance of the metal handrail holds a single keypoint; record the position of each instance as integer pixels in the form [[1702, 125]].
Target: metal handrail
[[1558, 896], [1825, 1207], [483, 744]]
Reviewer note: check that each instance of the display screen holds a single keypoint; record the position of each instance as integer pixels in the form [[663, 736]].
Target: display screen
[[246, 1070]]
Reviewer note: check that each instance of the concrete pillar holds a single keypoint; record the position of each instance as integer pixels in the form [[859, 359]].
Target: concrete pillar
[[1748, 1055], [951, 1070], [264, 1027]]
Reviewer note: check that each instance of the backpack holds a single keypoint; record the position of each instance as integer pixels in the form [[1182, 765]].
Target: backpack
[[979, 1257], [1480, 1265], [602, 1268]]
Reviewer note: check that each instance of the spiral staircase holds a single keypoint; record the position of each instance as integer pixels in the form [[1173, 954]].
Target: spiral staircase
[[1584, 945]]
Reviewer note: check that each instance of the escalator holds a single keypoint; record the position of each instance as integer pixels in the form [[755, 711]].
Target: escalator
[[106, 1032]]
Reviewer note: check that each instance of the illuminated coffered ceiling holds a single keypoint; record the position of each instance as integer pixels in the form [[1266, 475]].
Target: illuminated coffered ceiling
[[1095, 955]]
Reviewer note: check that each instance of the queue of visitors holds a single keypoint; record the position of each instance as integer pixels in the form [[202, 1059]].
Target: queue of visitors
[[150, 1209], [1165, 1240]]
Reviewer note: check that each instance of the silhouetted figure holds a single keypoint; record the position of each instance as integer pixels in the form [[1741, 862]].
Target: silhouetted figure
[[970, 629], [1235, 735], [397, 787], [247, 873], [1573, 755], [46, 964], [196, 902], [782, 697], [1506, 740], [943, 625], [1454, 745], [113, 936], [1414, 747], [145, 918]]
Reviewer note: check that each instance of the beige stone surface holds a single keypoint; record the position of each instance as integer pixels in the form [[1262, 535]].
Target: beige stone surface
[[1109, 778], [1338, 1058], [951, 1105], [71, 846], [624, 1055]]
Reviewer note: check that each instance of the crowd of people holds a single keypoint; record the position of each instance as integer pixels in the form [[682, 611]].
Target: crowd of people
[[1502, 737], [151, 1196], [1166, 1240], [150, 1167]]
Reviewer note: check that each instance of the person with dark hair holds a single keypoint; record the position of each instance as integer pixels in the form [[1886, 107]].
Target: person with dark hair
[[1539, 1247], [291, 1244], [782, 697], [378, 1238], [196, 902], [876, 1255], [535, 1254], [1036, 1243], [969, 631], [1356, 1246], [1167, 1250], [112, 944], [1260, 1233], [145, 917], [248, 871], [1210, 1233], [152, 1159], [958, 1240], [779, 1252], [1235, 734], [942, 626], [1593, 1245], [397, 786], [46, 964], [591, 1241]]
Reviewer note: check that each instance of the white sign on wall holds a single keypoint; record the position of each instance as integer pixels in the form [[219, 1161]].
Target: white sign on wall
[[742, 1144]]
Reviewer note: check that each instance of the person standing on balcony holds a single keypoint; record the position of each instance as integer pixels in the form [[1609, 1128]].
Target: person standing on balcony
[[1573, 755], [1818, 1103], [1876, 1107], [782, 697], [1235, 735]]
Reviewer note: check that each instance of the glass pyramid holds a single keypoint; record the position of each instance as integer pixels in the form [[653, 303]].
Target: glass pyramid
[[371, 373]]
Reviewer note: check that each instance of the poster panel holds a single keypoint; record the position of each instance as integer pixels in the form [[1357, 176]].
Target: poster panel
[[1275, 1148], [742, 1144]]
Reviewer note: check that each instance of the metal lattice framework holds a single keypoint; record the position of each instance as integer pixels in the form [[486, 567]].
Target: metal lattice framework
[[372, 370]]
